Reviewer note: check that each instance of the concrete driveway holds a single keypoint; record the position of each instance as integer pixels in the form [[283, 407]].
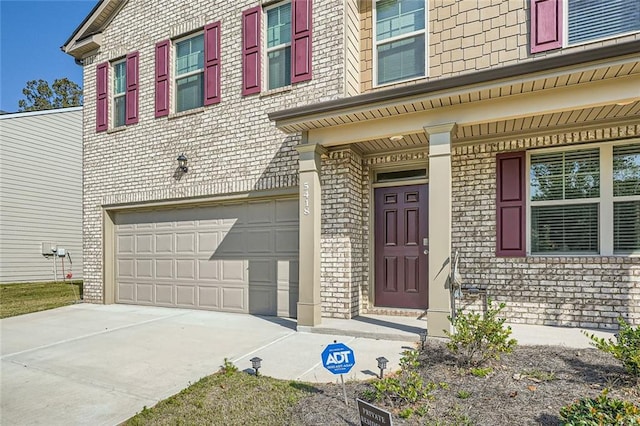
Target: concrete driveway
[[101, 364]]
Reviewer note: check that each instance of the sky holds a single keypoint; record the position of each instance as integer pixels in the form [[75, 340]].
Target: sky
[[31, 33]]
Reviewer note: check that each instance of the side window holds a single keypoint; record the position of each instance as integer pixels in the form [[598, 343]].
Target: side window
[[400, 40], [278, 46], [189, 73], [119, 93]]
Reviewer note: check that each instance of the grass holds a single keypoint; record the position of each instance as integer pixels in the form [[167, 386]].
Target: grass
[[24, 298], [231, 398]]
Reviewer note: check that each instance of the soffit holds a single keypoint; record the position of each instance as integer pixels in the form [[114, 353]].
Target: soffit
[[545, 123], [86, 37]]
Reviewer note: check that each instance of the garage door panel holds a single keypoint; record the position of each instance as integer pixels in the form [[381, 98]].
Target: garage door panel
[[186, 242], [208, 297], [125, 244], [287, 240], [125, 269], [208, 269], [208, 242], [234, 299], [144, 268], [126, 292], [144, 293], [233, 270], [262, 300], [185, 269], [286, 211], [164, 268], [144, 243], [186, 296], [260, 240], [164, 294], [237, 257], [260, 212]]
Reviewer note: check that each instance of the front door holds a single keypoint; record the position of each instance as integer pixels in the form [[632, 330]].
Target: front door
[[401, 262]]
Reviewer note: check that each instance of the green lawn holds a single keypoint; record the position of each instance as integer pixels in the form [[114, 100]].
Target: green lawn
[[24, 298], [231, 398]]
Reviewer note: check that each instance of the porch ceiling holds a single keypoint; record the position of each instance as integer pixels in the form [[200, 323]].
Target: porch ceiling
[[535, 123]]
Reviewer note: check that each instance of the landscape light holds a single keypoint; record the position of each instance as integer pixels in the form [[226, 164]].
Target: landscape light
[[256, 363], [382, 364]]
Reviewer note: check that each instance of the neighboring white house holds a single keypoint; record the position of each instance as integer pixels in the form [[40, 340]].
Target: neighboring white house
[[41, 195]]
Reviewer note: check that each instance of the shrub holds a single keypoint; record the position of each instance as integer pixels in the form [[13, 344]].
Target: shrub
[[228, 369], [478, 338], [600, 411], [626, 349]]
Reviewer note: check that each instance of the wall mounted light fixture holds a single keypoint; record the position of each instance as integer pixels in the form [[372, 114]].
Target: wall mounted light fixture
[[182, 163]]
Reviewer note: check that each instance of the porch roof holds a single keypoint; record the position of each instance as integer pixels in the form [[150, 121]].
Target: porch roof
[[581, 88]]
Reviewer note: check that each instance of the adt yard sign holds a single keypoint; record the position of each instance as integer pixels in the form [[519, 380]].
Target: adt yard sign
[[338, 358]]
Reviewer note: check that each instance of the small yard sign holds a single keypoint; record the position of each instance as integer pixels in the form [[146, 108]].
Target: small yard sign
[[373, 416], [338, 358]]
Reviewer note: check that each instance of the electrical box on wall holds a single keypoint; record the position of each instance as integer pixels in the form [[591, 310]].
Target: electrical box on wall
[[61, 252], [49, 248]]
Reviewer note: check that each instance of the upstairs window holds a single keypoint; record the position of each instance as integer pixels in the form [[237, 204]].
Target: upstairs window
[[189, 73], [400, 40], [119, 93], [561, 23], [591, 20], [279, 46]]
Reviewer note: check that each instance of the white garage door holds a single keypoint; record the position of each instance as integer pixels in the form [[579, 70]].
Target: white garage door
[[240, 257]]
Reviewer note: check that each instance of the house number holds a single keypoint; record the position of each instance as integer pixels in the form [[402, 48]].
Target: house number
[[305, 195]]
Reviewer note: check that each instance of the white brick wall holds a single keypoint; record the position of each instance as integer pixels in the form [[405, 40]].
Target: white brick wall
[[232, 147]]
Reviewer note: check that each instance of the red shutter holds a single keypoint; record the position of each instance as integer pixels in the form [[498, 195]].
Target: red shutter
[[162, 78], [251, 51], [546, 25], [102, 97], [212, 63], [301, 41], [131, 97], [510, 204]]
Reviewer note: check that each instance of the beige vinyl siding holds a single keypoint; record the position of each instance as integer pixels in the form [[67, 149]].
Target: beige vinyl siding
[[40, 193], [352, 48]]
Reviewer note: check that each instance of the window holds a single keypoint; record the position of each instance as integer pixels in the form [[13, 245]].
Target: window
[[279, 46], [591, 20], [585, 201], [189, 72], [400, 40], [119, 93], [558, 23]]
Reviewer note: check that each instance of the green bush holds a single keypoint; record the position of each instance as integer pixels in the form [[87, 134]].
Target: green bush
[[626, 348], [600, 411], [478, 338]]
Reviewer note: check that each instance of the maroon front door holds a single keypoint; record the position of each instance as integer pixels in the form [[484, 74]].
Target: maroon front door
[[400, 243]]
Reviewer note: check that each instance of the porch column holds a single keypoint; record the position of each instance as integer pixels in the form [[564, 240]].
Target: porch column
[[309, 303], [439, 227]]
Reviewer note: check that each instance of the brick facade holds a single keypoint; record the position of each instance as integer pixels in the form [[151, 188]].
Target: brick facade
[[232, 147]]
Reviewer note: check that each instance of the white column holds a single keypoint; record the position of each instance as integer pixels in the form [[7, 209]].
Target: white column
[[439, 227], [309, 303]]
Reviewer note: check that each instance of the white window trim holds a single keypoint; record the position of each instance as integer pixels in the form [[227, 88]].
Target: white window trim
[[267, 50], [565, 30], [396, 38], [176, 77], [115, 95], [605, 201]]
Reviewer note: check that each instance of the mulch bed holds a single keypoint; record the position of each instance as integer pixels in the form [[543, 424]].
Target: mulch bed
[[527, 387]]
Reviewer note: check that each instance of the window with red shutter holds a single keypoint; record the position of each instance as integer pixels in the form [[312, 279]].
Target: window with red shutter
[[251, 51], [212, 63], [132, 88], [102, 98], [301, 41], [162, 78], [510, 204], [546, 25]]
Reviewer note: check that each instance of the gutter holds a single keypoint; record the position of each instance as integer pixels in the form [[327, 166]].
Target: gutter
[[485, 76]]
